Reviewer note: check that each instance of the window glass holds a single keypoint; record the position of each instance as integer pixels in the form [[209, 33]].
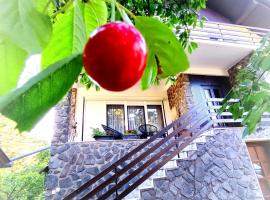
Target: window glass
[[116, 117], [155, 116], [136, 117]]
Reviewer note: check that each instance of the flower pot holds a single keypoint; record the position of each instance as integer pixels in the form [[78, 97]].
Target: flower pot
[[131, 137], [106, 137]]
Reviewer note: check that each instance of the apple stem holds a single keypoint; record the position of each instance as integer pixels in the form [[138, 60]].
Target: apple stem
[[112, 10]]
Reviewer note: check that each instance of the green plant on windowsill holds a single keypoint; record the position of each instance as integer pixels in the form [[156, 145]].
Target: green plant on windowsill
[[130, 132], [97, 132]]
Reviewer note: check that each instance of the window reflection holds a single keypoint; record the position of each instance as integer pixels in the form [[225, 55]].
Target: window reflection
[[136, 117], [155, 116], [116, 117]]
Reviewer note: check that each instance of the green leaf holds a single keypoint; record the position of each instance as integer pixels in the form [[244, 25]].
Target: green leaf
[[254, 117], [246, 132], [22, 24], [236, 110], [12, 62], [26, 105], [69, 36], [194, 45], [150, 72], [95, 15], [162, 41], [266, 63]]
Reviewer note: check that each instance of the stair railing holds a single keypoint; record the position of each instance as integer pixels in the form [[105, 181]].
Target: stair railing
[[161, 148]]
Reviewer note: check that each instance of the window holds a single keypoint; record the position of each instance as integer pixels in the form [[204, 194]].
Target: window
[[136, 117], [122, 117], [116, 117], [155, 116]]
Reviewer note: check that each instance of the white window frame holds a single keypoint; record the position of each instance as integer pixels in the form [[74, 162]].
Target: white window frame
[[136, 103]]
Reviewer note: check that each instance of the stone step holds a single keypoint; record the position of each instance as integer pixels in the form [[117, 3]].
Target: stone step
[[170, 164], [181, 155], [147, 193], [201, 139], [159, 173], [190, 147], [170, 169], [208, 133], [134, 195], [146, 184], [158, 182]]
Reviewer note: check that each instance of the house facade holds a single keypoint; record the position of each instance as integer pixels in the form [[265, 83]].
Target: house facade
[[219, 164]]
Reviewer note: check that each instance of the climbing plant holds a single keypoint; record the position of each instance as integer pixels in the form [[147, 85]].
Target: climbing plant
[[252, 89]]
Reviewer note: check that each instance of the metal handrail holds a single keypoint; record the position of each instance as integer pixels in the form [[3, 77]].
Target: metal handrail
[[179, 126], [5, 161]]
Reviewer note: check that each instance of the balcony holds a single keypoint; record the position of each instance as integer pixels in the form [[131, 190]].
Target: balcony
[[221, 46], [229, 33]]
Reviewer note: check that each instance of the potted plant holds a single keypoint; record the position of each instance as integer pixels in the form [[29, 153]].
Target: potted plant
[[100, 135], [131, 134]]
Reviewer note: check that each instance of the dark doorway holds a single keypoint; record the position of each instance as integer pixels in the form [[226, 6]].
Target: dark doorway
[[210, 87], [204, 87]]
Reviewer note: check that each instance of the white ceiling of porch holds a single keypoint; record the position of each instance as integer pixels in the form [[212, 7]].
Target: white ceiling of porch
[[215, 58]]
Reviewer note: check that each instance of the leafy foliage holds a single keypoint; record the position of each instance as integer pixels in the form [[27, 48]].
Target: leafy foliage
[[26, 183], [252, 89], [26, 105], [10, 68], [163, 47], [182, 13], [71, 22], [97, 132], [22, 30], [72, 28], [24, 25]]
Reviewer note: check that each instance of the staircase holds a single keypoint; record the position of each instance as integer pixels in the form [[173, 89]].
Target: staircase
[[187, 154], [140, 169]]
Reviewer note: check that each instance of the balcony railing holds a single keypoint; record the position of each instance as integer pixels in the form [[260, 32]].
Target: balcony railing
[[225, 118], [229, 33]]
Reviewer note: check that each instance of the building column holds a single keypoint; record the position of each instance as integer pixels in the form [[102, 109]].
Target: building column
[[180, 95], [65, 125]]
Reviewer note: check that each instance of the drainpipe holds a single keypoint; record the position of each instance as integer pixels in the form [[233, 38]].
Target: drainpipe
[[164, 116], [83, 117]]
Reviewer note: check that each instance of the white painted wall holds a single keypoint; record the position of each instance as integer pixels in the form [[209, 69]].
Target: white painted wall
[[95, 106]]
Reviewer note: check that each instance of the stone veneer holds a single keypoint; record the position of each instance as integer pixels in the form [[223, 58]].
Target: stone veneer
[[72, 123], [180, 95], [221, 170], [73, 164], [65, 125], [235, 69], [262, 132]]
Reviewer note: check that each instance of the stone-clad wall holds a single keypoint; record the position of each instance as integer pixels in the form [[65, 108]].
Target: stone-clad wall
[[72, 123], [180, 95], [222, 170], [235, 69], [72, 164], [65, 125], [61, 121], [219, 170]]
